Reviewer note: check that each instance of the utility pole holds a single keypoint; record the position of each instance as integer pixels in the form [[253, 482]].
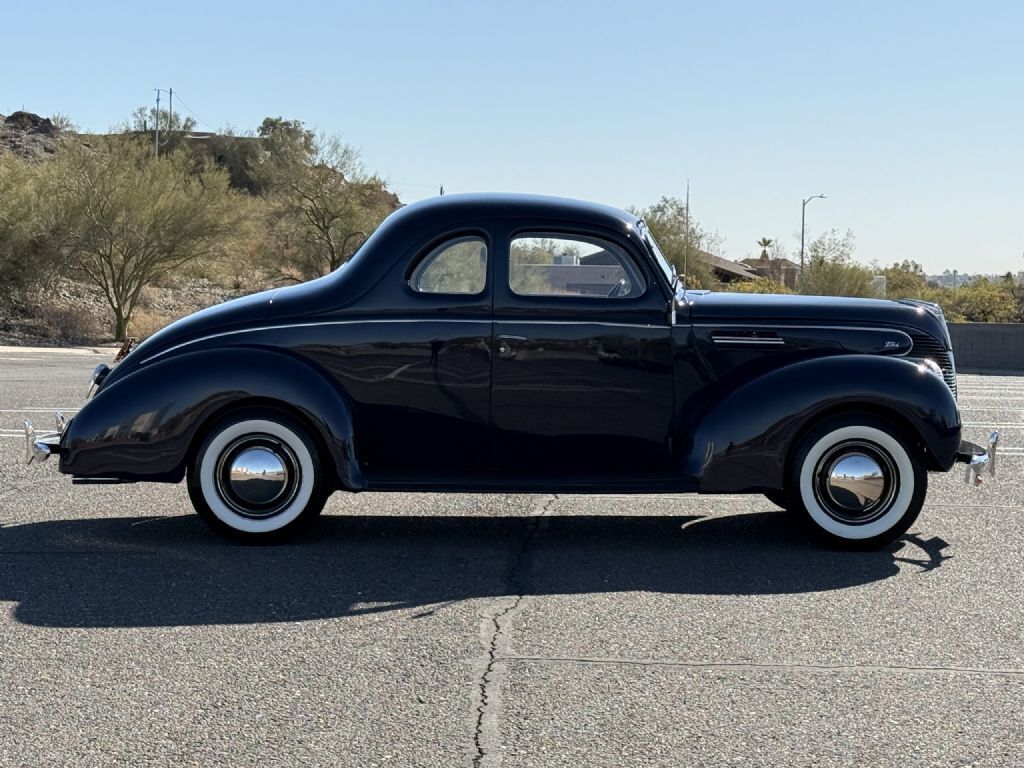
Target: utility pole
[[686, 237], [170, 118], [156, 134], [803, 227]]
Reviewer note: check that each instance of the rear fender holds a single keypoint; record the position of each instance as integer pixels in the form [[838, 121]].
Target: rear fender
[[143, 426], [742, 443]]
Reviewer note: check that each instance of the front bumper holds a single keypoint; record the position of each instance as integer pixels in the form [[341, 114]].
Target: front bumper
[[39, 447], [978, 459]]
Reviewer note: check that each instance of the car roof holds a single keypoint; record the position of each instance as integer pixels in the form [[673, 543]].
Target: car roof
[[511, 205]]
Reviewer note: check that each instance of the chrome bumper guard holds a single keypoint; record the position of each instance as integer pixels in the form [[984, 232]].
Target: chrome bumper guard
[[40, 447], [978, 459]]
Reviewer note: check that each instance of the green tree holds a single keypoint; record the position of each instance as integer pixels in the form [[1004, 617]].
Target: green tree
[[122, 218], [984, 301], [765, 244], [239, 155], [760, 285], [173, 127], [906, 280], [324, 204], [287, 141], [28, 255], [830, 270]]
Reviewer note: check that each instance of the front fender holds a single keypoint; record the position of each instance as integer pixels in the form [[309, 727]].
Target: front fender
[[142, 426], [743, 441]]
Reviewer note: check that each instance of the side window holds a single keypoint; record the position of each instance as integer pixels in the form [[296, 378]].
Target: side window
[[571, 265], [455, 266]]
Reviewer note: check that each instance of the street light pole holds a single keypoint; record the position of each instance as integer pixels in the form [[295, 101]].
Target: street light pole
[[803, 226]]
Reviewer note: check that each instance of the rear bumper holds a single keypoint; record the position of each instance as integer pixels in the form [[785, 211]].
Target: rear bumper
[[978, 459]]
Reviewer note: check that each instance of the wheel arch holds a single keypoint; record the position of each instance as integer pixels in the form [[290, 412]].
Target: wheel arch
[[744, 442], [145, 426], [266, 404], [884, 411]]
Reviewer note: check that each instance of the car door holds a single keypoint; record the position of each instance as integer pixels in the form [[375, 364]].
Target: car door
[[582, 380], [418, 369]]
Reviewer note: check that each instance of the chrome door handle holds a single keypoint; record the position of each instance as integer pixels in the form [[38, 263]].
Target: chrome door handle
[[504, 347]]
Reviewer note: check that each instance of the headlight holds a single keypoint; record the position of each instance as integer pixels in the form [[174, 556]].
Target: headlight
[[99, 373]]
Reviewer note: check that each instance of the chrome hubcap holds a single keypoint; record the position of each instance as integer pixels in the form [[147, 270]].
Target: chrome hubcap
[[855, 482], [257, 476]]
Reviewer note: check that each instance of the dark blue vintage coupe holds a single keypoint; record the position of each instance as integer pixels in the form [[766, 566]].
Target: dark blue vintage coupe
[[519, 343]]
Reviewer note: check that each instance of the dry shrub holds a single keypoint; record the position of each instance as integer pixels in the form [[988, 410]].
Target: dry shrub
[[147, 297], [72, 325], [145, 323]]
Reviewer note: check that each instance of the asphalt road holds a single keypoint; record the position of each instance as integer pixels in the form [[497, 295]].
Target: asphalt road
[[433, 630]]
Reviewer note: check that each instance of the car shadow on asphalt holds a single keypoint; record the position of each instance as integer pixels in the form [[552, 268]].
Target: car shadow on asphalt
[[132, 572]]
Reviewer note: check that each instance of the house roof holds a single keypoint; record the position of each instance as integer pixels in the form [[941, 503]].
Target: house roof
[[730, 267], [755, 261]]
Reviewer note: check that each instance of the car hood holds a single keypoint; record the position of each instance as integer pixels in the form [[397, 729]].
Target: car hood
[[754, 308]]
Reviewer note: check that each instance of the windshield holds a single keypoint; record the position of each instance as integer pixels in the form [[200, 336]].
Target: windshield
[[663, 263]]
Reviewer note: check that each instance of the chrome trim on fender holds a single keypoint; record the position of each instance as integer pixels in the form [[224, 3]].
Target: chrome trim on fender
[[767, 340], [728, 326]]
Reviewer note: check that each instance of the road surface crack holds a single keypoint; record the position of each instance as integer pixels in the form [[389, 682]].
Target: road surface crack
[[485, 731]]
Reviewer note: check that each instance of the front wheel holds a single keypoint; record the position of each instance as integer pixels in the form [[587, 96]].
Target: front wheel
[[256, 477], [858, 481]]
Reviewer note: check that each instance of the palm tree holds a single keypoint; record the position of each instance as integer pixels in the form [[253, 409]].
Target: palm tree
[[764, 244]]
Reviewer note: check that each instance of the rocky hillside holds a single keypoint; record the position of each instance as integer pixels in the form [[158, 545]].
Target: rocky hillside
[[70, 312], [27, 135]]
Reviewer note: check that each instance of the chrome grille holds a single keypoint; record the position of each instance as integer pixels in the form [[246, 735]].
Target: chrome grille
[[927, 347]]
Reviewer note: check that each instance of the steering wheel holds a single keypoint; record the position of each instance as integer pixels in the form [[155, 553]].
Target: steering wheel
[[618, 289]]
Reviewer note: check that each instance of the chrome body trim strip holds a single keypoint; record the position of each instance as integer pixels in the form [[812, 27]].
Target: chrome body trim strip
[[287, 326], [753, 340]]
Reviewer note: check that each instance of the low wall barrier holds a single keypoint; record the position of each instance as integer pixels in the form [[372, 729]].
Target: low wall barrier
[[988, 347]]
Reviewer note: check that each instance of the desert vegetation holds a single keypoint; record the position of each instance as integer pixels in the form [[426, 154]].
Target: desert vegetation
[[106, 236]]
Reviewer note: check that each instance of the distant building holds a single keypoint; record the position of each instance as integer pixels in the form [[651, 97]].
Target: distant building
[[729, 271], [780, 270]]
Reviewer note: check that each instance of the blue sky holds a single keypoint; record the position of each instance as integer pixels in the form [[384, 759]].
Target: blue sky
[[909, 116]]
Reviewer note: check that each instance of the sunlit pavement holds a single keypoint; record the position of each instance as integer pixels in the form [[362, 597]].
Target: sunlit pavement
[[413, 630]]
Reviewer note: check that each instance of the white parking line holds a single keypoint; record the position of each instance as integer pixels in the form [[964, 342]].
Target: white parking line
[[39, 410], [989, 425], [994, 399], [999, 408]]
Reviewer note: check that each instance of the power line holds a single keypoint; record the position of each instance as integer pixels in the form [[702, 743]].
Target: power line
[[193, 113]]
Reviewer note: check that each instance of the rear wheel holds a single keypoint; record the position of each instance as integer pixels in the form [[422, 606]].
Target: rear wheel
[[257, 477], [858, 481]]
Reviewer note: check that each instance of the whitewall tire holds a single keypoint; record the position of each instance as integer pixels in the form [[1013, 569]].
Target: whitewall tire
[[256, 477], [858, 481]]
